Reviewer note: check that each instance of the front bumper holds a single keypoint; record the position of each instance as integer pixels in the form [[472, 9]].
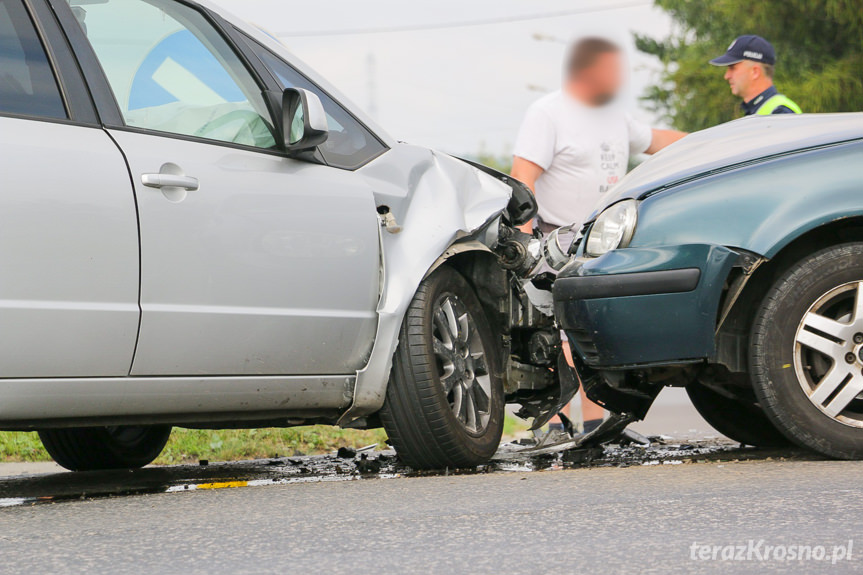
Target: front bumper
[[643, 306]]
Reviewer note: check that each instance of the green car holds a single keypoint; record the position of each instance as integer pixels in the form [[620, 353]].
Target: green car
[[731, 264]]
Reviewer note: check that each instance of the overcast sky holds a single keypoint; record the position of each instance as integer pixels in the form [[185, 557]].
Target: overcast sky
[[458, 89]]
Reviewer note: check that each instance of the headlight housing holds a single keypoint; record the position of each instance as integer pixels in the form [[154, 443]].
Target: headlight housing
[[613, 228]]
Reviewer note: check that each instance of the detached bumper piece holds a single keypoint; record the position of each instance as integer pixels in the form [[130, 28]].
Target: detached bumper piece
[[607, 432], [549, 401], [643, 306]]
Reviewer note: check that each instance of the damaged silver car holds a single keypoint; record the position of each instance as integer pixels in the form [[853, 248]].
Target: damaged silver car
[[198, 231]]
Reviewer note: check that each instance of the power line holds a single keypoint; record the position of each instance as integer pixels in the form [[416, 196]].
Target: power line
[[464, 24]]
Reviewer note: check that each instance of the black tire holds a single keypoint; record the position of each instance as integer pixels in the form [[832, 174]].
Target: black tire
[[786, 371], [737, 419], [95, 448], [419, 413]]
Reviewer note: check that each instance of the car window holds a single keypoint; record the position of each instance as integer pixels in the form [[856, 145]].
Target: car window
[[27, 83], [350, 144], [171, 71]]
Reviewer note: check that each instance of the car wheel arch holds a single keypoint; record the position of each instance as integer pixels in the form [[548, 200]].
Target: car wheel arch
[[466, 258], [824, 230], [733, 335], [481, 268]]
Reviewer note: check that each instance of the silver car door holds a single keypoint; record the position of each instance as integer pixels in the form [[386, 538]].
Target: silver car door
[[252, 263], [68, 229]]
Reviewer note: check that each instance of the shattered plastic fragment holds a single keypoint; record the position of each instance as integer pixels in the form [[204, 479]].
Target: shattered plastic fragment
[[346, 453]]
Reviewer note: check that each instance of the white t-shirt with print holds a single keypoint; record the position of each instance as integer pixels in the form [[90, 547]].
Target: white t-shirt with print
[[583, 150]]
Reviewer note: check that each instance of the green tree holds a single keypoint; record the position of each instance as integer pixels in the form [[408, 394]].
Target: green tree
[[501, 163], [819, 46]]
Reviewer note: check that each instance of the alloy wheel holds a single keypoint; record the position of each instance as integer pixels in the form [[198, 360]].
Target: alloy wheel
[[828, 354], [461, 363]]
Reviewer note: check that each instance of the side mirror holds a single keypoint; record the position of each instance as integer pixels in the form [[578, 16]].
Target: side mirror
[[304, 121]]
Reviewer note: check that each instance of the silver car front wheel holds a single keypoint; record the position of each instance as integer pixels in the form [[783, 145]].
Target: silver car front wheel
[[444, 405], [461, 363]]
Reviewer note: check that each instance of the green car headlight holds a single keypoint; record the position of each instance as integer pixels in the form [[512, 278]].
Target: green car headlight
[[613, 228]]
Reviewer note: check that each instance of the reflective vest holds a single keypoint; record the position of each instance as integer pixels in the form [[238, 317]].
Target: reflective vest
[[774, 102]]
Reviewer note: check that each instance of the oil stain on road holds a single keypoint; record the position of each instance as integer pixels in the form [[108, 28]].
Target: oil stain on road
[[350, 465]]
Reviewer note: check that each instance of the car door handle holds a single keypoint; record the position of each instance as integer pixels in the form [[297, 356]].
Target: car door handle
[[169, 181]]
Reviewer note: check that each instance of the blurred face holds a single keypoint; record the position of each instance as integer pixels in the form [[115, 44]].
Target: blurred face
[[603, 80], [739, 77]]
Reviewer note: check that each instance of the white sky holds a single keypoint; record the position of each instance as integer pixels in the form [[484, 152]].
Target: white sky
[[459, 89]]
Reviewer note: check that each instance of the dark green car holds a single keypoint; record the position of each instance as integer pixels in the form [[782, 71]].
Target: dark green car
[[732, 264]]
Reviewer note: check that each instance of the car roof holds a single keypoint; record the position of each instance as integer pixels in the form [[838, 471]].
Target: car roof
[[739, 142]]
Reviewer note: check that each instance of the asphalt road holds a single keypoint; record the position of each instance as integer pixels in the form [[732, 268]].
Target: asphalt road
[[664, 509], [635, 519]]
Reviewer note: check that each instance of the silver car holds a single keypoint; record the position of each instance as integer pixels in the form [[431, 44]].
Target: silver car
[[197, 231]]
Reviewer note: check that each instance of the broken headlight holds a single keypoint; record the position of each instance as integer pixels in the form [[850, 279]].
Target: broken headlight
[[557, 249], [613, 228]]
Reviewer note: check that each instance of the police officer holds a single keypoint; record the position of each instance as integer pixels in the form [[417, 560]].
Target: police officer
[[750, 61]]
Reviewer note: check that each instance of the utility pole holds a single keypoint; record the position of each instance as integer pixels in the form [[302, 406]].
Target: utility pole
[[540, 37], [371, 74]]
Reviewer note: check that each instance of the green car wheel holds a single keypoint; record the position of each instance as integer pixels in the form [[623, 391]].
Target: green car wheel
[[807, 352]]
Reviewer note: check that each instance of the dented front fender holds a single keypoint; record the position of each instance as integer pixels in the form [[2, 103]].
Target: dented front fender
[[436, 201]]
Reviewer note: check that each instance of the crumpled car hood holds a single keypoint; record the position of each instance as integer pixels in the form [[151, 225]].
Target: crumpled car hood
[[733, 144], [436, 192]]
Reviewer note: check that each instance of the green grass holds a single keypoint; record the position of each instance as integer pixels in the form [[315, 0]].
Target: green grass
[[191, 445], [21, 447], [514, 428]]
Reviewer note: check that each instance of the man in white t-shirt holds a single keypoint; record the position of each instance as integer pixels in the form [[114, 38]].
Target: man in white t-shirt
[[575, 144]]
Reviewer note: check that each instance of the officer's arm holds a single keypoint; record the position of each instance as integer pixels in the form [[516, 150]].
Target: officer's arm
[[663, 138], [527, 173]]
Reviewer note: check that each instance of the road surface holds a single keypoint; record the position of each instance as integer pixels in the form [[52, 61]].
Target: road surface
[[697, 505], [638, 519]]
